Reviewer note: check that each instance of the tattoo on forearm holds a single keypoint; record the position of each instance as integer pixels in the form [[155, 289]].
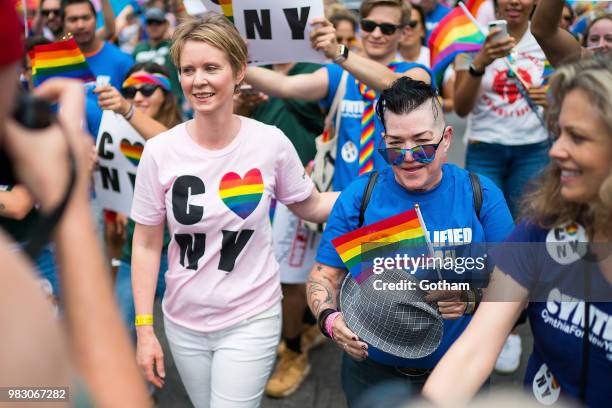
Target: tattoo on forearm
[[2, 206], [320, 292]]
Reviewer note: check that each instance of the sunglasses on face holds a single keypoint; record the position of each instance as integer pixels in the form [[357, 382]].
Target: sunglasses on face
[[425, 153], [47, 12], [386, 28], [146, 90], [413, 23], [154, 22]]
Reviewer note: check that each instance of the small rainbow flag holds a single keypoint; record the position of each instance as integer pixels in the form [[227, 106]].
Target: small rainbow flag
[[220, 6], [548, 71], [455, 34], [384, 238], [59, 59]]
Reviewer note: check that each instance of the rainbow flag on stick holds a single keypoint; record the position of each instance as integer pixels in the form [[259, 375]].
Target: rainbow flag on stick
[[220, 6], [401, 233], [456, 33], [59, 59]]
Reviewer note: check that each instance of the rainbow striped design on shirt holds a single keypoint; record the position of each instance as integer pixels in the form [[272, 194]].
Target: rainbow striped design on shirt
[[383, 238], [59, 59], [242, 195]]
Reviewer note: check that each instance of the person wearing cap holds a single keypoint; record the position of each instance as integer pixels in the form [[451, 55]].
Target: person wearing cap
[[415, 144], [156, 47]]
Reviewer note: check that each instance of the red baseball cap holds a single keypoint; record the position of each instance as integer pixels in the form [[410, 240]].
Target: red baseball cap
[[10, 33]]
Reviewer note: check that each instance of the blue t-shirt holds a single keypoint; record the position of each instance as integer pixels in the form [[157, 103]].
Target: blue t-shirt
[[351, 106], [449, 216], [552, 268], [110, 61], [432, 19]]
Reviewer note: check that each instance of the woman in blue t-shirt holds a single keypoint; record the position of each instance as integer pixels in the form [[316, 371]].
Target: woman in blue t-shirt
[[562, 281]]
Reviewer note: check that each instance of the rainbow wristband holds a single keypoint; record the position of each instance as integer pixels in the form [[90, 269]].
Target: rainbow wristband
[[329, 323], [144, 320]]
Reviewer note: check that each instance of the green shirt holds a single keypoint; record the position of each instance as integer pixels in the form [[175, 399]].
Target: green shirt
[[300, 120], [160, 54], [126, 252]]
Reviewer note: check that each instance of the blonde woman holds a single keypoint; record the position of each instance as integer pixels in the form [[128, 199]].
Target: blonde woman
[[562, 287], [211, 180]]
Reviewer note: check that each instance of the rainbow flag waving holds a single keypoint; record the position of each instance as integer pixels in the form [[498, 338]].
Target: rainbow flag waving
[[59, 59], [220, 6], [455, 34], [400, 233]]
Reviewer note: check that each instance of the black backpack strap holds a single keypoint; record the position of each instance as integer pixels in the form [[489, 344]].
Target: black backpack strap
[[367, 193], [477, 193]]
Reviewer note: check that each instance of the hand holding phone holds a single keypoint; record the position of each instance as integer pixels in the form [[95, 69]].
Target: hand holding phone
[[502, 25]]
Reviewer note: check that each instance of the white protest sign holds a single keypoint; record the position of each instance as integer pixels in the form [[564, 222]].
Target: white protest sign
[[277, 31], [119, 149], [194, 7]]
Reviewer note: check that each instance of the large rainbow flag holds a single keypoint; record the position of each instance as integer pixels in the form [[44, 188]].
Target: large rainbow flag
[[455, 34], [402, 233], [59, 59]]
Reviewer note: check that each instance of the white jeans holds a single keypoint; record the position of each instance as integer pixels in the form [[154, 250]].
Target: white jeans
[[228, 368]]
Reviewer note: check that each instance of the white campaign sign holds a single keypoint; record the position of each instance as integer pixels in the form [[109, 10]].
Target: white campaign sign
[[119, 149], [277, 31]]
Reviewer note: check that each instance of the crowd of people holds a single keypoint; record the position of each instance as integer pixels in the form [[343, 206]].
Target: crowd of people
[[259, 186]]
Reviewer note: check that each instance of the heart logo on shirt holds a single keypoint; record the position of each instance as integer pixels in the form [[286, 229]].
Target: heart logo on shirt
[[242, 195], [132, 152]]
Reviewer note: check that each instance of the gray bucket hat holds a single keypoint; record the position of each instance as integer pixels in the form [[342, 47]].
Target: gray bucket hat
[[397, 322]]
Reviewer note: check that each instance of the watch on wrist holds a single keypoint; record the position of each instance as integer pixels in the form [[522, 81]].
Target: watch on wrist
[[475, 72], [471, 302], [341, 53]]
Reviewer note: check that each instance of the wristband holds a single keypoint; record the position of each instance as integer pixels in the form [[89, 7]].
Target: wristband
[[321, 320], [128, 115], [144, 320], [329, 324]]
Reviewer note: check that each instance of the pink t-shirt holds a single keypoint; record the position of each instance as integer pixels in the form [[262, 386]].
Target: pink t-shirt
[[221, 265]]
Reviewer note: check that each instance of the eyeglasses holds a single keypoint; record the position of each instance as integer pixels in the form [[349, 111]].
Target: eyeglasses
[[425, 153], [386, 28], [154, 22], [413, 23], [146, 90], [47, 12]]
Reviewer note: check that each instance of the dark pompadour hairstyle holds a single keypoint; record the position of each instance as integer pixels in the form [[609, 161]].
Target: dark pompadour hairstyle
[[404, 96]]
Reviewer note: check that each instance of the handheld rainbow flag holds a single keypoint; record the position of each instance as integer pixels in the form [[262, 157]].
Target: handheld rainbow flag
[[548, 71], [456, 33], [401, 233], [59, 59], [220, 6]]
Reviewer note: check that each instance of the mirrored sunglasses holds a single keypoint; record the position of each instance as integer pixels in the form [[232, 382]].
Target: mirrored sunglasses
[[425, 153]]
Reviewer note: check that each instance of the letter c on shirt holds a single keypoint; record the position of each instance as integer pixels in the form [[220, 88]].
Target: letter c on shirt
[[182, 189]]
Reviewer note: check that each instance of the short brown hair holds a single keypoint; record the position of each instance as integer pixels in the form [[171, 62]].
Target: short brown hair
[[368, 5], [213, 29]]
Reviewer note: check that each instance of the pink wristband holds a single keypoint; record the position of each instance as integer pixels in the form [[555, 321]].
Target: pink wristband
[[329, 323]]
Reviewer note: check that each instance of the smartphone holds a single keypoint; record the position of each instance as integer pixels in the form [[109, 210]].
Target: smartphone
[[503, 25], [247, 90]]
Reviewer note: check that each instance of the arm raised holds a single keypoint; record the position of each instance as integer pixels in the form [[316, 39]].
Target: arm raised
[[558, 45]]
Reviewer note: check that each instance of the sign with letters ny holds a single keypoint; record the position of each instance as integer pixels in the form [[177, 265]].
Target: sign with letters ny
[[119, 148], [277, 31]]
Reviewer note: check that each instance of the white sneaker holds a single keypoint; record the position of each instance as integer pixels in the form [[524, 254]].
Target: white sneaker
[[510, 357]]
